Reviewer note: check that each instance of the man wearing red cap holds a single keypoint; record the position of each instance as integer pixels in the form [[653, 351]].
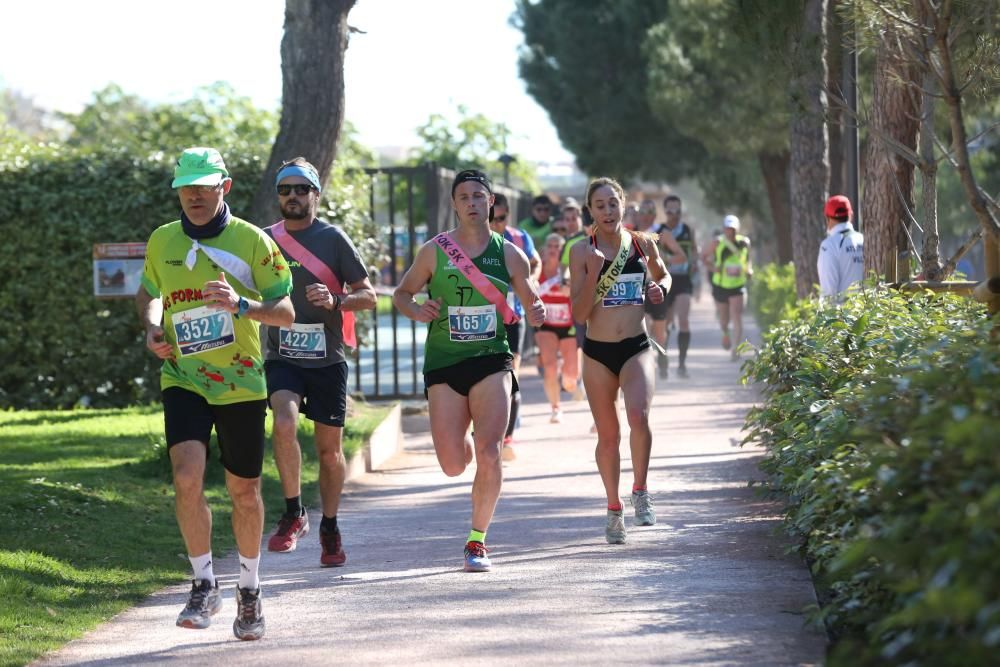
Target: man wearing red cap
[[841, 255]]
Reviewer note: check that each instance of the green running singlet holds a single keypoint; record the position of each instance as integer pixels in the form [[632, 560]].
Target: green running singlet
[[468, 325]]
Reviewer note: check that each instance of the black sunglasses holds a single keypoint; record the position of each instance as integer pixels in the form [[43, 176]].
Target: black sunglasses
[[300, 189], [500, 218]]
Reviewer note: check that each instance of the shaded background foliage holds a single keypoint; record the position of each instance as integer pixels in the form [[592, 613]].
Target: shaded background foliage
[[583, 62]]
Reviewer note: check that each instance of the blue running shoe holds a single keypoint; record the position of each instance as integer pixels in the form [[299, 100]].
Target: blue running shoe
[[476, 559]]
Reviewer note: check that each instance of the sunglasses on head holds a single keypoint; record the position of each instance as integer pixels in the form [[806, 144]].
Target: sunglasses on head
[[300, 189]]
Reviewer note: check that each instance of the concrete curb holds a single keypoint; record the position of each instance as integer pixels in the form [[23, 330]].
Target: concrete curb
[[386, 440]]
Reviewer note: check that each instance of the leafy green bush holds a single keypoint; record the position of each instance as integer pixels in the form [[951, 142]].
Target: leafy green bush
[[881, 421], [62, 346], [774, 297]]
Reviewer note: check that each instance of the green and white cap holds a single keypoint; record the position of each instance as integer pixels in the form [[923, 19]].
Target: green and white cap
[[199, 166]]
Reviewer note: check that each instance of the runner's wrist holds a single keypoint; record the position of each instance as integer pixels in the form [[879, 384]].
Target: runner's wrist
[[243, 306]]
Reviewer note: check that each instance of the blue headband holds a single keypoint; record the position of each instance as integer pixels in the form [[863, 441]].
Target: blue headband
[[295, 170]]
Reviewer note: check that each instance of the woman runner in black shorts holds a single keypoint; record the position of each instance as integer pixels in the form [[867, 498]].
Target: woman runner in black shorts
[[616, 352]]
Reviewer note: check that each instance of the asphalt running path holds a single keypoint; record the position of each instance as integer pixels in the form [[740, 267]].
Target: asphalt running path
[[710, 584]]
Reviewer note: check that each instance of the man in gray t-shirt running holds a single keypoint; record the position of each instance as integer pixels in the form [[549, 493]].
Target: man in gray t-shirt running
[[305, 365]]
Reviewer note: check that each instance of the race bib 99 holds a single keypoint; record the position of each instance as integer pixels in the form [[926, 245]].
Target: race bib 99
[[627, 291]]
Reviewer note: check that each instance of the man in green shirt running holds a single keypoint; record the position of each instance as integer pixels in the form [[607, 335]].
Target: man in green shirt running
[[468, 368], [208, 280], [538, 225]]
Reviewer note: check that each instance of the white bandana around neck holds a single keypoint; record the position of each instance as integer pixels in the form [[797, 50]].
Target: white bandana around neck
[[230, 263]]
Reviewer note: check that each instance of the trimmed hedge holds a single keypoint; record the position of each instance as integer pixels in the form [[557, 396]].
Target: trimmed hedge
[[881, 422], [62, 346]]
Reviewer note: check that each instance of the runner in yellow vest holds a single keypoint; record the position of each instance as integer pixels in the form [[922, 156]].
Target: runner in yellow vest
[[728, 258]]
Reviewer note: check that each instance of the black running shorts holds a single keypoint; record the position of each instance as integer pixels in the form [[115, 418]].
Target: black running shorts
[[323, 390], [464, 375], [239, 426]]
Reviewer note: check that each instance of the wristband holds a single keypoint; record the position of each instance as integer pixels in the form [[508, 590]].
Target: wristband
[[243, 307]]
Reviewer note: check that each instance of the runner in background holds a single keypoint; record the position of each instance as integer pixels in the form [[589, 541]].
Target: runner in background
[[728, 258], [580, 226], [657, 314], [630, 219], [677, 239], [515, 331], [556, 337], [538, 225]]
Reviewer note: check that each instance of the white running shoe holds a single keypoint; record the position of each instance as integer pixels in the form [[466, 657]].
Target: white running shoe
[[644, 513], [614, 533]]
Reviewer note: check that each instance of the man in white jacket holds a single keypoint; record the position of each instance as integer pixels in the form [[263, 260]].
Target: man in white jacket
[[841, 255]]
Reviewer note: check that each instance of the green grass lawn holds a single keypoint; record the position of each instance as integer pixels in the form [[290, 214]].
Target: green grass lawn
[[88, 521]]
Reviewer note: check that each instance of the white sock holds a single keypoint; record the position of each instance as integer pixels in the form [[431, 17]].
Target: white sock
[[248, 572], [202, 567]]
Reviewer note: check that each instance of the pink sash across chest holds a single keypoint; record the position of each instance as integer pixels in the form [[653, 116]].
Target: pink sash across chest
[[315, 266], [476, 277]]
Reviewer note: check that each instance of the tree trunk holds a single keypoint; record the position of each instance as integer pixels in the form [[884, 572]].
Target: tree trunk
[[312, 94], [930, 262], [774, 170], [809, 164], [953, 98], [888, 191], [834, 85], [931, 259]]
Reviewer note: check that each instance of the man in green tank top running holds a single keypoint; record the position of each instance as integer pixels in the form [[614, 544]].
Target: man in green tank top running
[[468, 370]]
